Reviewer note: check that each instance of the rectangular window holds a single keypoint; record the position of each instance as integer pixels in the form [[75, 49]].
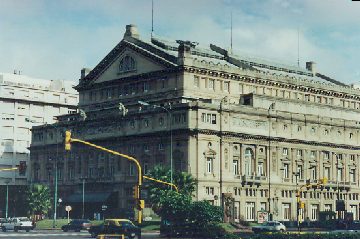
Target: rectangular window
[[286, 170], [227, 86], [209, 165], [211, 85], [146, 168], [203, 117], [313, 154], [285, 151], [213, 119], [250, 211], [313, 173], [286, 209], [326, 155], [260, 169], [328, 207], [299, 153], [236, 167], [131, 169], [196, 82], [210, 191], [352, 175], [339, 174], [327, 172], [314, 212], [300, 171]]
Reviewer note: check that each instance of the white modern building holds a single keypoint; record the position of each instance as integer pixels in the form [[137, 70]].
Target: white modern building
[[25, 102]]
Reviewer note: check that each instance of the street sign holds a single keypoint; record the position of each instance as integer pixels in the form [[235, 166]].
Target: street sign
[[103, 207], [68, 208]]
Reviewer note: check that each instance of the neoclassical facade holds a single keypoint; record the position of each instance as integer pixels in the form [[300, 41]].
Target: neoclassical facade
[[250, 131]]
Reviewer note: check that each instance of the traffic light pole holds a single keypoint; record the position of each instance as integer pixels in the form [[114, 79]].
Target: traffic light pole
[[69, 140]]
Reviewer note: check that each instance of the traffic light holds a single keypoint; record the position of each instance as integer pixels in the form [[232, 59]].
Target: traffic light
[[140, 204], [136, 191], [323, 180], [67, 140], [22, 168]]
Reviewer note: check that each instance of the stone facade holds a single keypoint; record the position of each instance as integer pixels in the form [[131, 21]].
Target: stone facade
[[241, 126]]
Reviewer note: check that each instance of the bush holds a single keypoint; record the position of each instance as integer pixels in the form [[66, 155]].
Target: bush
[[307, 236]]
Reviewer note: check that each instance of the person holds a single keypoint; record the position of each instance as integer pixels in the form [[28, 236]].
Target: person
[[307, 221]]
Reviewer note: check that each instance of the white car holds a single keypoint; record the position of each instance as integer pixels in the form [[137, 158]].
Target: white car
[[16, 224], [271, 226]]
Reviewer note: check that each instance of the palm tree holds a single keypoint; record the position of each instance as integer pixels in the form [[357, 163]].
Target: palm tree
[[39, 199]]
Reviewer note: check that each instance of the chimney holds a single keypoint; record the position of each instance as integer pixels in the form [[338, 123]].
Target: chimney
[[131, 31], [311, 66], [184, 51], [84, 72]]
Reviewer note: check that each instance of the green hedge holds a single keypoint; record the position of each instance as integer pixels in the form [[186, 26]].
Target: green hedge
[[307, 236]]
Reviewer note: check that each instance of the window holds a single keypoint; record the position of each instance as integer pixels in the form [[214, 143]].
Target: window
[[248, 161], [299, 171], [196, 82], [146, 123], [299, 153], [286, 171], [313, 154], [208, 118], [326, 132], [127, 63], [314, 212], [263, 206], [146, 168], [352, 175], [250, 211], [313, 173], [351, 135], [131, 169], [352, 157], [260, 169], [326, 155], [209, 166], [328, 207], [236, 167], [327, 172], [146, 87], [211, 85], [285, 151], [286, 209], [339, 174], [226, 86], [161, 146], [210, 191]]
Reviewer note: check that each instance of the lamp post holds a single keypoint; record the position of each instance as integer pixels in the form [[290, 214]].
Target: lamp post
[[56, 175], [272, 106], [83, 198], [7, 199], [170, 129]]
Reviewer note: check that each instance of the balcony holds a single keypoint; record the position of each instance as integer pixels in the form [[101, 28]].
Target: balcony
[[252, 180]]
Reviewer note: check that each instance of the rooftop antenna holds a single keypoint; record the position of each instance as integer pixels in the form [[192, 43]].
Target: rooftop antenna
[[298, 60], [231, 32], [152, 17]]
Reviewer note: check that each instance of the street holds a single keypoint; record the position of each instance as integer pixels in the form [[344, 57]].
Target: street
[[59, 234]]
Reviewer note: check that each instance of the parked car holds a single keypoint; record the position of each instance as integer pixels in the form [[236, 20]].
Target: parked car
[[16, 224], [116, 226], [77, 225], [271, 226]]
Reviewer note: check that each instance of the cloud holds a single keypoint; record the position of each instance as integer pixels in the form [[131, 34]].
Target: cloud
[[56, 39]]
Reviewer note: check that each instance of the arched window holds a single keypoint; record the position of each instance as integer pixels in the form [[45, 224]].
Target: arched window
[[249, 161], [127, 63]]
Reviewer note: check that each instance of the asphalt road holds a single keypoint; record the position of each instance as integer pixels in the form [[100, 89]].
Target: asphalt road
[[59, 234]]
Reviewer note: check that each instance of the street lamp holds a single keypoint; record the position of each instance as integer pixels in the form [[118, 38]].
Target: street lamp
[[7, 199], [56, 174], [272, 106], [170, 129]]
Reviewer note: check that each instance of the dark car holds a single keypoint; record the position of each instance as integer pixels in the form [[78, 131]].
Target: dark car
[[77, 225], [116, 226]]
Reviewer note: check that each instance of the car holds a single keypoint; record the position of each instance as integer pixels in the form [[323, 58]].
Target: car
[[77, 225], [271, 226], [116, 226], [16, 224]]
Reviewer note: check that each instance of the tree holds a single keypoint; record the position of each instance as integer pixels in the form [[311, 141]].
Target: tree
[[159, 192], [39, 199]]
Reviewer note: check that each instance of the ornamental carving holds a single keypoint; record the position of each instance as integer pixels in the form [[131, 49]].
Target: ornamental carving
[[250, 123]]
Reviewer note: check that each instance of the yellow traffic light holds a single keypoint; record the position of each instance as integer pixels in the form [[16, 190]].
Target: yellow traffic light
[[302, 205], [67, 140], [142, 204], [136, 191], [324, 180]]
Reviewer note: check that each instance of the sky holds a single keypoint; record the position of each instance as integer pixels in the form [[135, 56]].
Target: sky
[[55, 39]]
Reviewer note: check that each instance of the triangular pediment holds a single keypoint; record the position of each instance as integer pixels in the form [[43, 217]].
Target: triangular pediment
[[129, 59]]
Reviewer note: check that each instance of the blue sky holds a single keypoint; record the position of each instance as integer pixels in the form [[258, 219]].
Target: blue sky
[[55, 39]]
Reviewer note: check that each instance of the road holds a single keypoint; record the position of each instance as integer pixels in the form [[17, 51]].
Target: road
[[60, 235]]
